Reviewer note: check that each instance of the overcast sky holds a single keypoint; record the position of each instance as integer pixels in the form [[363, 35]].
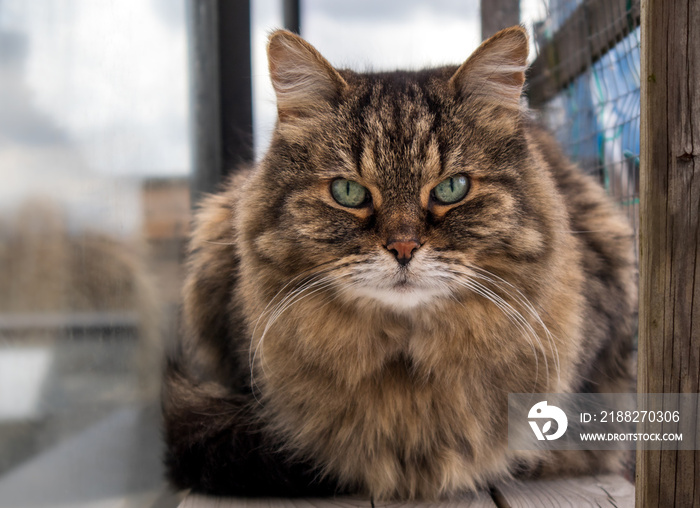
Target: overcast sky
[[112, 75]]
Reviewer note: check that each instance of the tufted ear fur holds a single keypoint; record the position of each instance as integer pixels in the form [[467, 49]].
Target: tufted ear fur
[[496, 70], [303, 80]]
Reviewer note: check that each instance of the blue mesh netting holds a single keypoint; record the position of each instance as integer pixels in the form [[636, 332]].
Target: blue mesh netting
[[596, 117]]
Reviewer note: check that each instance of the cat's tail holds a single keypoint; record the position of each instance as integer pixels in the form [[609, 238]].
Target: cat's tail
[[203, 427], [215, 442]]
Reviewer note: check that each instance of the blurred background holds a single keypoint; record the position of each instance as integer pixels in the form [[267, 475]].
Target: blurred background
[[115, 117]]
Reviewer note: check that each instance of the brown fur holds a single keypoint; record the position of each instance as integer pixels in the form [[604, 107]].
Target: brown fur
[[397, 393]]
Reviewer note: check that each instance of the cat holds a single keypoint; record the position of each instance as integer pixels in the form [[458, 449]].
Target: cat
[[411, 249]]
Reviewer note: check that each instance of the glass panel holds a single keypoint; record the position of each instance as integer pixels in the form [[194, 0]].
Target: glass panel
[[94, 209]]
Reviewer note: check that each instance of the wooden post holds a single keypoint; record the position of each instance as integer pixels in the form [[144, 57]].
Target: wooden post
[[497, 15], [669, 309]]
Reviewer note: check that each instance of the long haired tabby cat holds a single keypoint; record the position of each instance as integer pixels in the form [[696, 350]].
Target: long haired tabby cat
[[411, 249]]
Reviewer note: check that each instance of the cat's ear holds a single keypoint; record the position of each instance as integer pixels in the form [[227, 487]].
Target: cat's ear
[[303, 80], [496, 70]]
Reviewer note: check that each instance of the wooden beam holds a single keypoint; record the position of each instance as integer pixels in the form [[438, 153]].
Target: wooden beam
[[497, 15], [589, 32], [669, 310]]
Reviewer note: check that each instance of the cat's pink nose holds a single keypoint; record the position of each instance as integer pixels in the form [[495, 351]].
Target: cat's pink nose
[[403, 249]]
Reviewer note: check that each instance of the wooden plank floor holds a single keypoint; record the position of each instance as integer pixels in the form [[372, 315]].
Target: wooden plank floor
[[482, 501], [599, 491], [596, 491]]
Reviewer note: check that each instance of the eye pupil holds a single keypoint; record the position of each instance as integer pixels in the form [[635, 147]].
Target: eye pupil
[[349, 193], [451, 190]]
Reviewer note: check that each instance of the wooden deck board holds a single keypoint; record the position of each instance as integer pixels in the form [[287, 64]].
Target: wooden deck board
[[482, 500], [596, 491]]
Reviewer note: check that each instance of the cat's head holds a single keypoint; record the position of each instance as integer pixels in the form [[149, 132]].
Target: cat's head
[[397, 186]]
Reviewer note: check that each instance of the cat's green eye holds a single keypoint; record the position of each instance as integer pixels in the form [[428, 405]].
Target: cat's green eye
[[349, 193], [451, 189]]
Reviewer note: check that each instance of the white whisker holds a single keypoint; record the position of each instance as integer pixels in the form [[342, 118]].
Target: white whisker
[[305, 277], [513, 316], [474, 274], [293, 297], [300, 287], [493, 278]]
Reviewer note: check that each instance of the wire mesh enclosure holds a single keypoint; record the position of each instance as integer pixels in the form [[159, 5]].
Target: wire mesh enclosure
[[585, 81]]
